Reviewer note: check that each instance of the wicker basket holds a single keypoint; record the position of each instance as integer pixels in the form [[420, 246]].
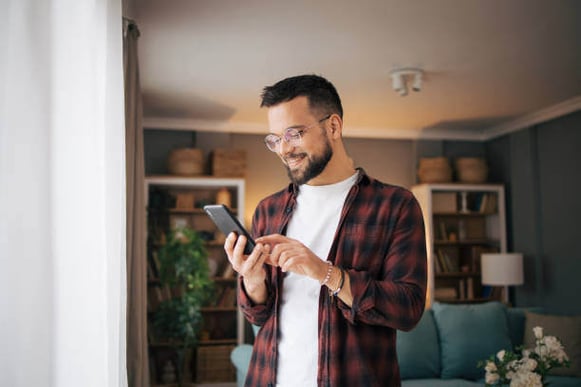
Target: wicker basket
[[214, 365], [471, 170], [228, 162], [434, 170], [185, 162]]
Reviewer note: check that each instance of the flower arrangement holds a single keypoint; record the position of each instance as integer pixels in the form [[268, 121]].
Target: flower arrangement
[[526, 367]]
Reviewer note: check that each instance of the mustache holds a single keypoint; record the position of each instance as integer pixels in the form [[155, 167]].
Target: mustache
[[294, 156]]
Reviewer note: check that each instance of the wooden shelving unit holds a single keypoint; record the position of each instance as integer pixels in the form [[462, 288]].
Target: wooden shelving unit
[[178, 201], [462, 221]]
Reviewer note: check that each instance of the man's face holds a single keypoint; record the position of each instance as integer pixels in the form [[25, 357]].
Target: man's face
[[305, 159]]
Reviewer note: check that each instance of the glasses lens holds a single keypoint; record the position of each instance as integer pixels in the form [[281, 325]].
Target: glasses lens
[[272, 142], [293, 136]]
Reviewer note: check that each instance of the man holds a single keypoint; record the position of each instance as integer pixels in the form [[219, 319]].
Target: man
[[340, 260]]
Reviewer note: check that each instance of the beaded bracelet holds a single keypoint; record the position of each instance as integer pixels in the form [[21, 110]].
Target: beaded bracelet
[[328, 276], [341, 283]]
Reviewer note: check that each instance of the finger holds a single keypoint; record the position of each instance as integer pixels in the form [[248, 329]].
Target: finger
[[253, 265], [284, 255], [273, 239], [229, 244], [258, 256], [230, 241], [270, 259], [239, 246]]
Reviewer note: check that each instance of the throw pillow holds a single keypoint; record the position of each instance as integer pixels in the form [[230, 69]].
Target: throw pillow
[[418, 353], [470, 333], [567, 329], [516, 323]]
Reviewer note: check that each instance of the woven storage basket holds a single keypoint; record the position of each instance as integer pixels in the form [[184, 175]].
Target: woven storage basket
[[185, 162], [471, 170], [434, 170], [228, 162], [214, 365]]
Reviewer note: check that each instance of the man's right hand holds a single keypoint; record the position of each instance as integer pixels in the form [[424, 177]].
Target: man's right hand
[[250, 267]]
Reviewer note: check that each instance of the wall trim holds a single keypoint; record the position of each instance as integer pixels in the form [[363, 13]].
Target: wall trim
[[549, 113], [526, 121]]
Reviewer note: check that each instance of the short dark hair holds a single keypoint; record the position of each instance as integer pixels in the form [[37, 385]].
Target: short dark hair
[[320, 93]]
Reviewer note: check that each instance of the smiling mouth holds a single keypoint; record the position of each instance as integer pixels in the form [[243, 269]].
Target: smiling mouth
[[293, 161]]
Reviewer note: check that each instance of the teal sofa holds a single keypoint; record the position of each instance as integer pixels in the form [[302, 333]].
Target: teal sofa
[[443, 350]]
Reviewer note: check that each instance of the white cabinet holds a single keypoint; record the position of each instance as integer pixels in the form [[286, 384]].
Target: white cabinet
[[462, 221]]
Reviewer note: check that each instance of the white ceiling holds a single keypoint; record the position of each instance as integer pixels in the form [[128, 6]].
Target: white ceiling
[[491, 66]]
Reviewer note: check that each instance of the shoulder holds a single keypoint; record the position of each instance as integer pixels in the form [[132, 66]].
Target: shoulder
[[370, 186], [275, 200]]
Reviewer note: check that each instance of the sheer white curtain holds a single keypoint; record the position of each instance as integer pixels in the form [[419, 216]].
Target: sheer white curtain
[[62, 194]]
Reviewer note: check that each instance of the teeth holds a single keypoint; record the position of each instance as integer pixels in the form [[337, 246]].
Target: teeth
[[293, 160]]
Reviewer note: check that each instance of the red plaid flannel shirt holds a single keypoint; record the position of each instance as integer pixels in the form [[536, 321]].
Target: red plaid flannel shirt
[[380, 242]]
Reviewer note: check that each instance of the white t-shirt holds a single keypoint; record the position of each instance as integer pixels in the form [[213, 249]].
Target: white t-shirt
[[314, 223]]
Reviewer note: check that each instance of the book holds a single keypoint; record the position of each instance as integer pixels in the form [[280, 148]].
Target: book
[[437, 265], [483, 203], [442, 261], [452, 261], [492, 204], [443, 231], [476, 254], [445, 293]]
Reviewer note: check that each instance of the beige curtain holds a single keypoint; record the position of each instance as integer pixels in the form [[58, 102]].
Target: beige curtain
[[137, 354]]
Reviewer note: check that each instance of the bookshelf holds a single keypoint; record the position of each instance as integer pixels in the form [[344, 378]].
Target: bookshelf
[[176, 202], [462, 221]]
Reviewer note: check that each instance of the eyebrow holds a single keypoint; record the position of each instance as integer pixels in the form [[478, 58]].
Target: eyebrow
[[290, 127]]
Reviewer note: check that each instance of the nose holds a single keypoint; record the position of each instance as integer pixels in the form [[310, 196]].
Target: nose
[[284, 147]]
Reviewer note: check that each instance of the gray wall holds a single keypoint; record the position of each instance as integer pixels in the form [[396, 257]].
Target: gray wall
[[540, 167]]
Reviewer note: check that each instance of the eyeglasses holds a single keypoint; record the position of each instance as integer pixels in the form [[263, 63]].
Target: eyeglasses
[[291, 136]]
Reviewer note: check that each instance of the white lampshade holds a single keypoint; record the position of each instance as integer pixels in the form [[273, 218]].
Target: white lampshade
[[502, 269]]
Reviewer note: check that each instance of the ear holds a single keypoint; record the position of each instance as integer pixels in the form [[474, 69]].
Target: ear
[[336, 125]]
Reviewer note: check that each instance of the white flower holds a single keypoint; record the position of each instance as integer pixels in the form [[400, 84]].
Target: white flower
[[500, 354], [555, 349], [491, 378], [529, 364], [490, 367], [526, 353], [527, 368]]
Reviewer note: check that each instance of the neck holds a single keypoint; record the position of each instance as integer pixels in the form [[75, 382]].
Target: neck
[[339, 168]]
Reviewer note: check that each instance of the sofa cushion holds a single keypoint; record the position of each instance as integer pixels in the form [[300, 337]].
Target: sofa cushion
[[516, 323], [418, 352], [567, 329], [469, 334], [563, 381], [440, 383]]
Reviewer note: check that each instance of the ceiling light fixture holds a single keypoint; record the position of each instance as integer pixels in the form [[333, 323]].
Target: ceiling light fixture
[[401, 77]]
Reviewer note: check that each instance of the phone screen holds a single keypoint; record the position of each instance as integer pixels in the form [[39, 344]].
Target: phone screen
[[227, 223]]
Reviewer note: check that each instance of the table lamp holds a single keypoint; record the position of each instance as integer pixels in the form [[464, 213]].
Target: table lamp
[[502, 269]]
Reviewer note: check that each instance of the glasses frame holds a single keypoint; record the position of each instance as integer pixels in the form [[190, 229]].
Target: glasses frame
[[292, 136]]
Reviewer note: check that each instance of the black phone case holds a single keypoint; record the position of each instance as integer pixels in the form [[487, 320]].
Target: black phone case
[[227, 223]]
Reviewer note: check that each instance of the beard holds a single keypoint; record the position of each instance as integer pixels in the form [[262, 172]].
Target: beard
[[315, 165]]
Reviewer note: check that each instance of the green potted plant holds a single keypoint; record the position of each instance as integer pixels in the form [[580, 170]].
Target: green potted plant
[[184, 269]]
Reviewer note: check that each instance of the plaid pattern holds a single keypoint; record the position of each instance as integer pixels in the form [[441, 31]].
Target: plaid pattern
[[380, 242]]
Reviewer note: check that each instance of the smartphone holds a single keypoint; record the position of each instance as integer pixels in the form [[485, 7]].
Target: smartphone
[[227, 222]]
